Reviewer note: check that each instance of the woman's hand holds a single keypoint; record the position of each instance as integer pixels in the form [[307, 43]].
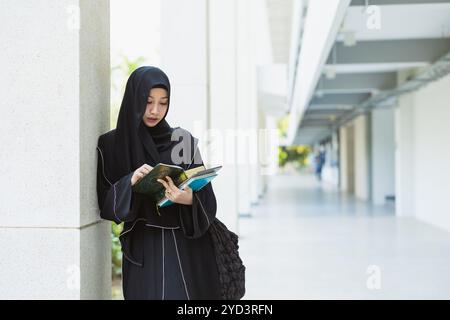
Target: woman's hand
[[174, 194], [140, 173]]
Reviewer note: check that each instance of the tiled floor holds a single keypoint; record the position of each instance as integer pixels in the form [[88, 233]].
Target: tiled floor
[[306, 241]]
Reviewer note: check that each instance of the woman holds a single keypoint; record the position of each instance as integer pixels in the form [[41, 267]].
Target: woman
[[168, 255]]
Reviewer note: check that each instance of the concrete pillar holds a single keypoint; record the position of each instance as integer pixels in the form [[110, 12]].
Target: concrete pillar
[[253, 50], [184, 57], [361, 160], [244, 107], [199, 55], [383, 155], [423, 150], [343, 154], [404, 156], [223, 108], [54, 104], [263, 160], [346, 158], [211, 61], [260, 47]]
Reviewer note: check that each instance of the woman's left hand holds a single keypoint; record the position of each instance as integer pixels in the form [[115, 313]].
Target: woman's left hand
[[174, 194]]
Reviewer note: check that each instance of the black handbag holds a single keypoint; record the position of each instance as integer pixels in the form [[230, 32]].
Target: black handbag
[[230, 266]]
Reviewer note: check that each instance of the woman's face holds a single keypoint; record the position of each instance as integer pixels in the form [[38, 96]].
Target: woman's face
[[157, 103]]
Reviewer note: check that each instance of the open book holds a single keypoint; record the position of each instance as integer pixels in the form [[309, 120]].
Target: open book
[[195, 178]]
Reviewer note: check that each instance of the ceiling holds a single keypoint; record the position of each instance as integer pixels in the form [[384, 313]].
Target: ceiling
[[363, 62], [280, 21]]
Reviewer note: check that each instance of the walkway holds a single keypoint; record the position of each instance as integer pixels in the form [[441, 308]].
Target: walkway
[[305, 241]]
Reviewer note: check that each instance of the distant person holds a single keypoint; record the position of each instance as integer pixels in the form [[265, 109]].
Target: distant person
[[319, 161]]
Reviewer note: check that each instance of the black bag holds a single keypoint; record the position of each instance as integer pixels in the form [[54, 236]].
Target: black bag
[[230, 266]]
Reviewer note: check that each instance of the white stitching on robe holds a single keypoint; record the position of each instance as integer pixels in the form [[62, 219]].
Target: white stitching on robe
[[114, 185], [179, 263], [114, 209], [103, 166], [152, 225], [131, 226], [203, 209]]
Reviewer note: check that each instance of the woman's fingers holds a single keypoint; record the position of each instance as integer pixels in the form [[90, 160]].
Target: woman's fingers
[[140, 172], [163, 182], [172, 186], [144, 170], [169, 185], [147, 167]]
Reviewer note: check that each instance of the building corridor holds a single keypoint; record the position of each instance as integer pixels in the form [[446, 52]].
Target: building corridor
[[307, 241]]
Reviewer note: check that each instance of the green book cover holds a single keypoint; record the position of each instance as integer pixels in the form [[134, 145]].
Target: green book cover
[[150, 186]]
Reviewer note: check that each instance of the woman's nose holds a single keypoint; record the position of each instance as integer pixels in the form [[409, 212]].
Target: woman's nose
[[155, 109]]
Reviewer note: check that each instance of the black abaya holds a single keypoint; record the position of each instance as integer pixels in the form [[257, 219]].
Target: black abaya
[[166, 256]]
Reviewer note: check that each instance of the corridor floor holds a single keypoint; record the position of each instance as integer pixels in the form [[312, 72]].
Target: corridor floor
[[307, 241]]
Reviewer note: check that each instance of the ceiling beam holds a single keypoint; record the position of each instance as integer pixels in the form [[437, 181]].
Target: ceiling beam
[[357, 82], [320, 112], [390, 2], [339, 99], [390, 51], [317, 123]]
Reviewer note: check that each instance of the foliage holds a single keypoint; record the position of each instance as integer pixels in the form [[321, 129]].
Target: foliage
[[283, 125], [296, 154], [116, 253], [119, 76]]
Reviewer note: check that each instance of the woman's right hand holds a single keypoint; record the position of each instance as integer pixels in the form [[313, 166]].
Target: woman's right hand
[[140, 173]]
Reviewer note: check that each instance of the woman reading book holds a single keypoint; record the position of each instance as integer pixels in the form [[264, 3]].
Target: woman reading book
[[167, 255]]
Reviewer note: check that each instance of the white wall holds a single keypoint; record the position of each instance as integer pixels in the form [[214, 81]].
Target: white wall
[[361, 146], [425, 114], [54, 104], [383, 155]]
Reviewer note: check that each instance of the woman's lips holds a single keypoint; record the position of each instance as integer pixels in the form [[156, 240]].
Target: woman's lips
[[152, 119]]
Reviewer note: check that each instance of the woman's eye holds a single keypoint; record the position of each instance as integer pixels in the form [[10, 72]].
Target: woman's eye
[[149, 102]]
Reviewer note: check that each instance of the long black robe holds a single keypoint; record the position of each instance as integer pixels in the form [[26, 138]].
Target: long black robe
[[167, 256]]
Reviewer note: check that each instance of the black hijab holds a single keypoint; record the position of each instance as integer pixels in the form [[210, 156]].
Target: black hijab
[[135, 143]]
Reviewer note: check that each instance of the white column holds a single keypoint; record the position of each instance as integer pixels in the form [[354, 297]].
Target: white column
[[361, 158], [404, 156], [184, 59], [244, 107], [261, 56], [262, 153], [54, 104], [223, 109], [343, 159], [383, 155], [198, 53], [347, 158], [423, 149]]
